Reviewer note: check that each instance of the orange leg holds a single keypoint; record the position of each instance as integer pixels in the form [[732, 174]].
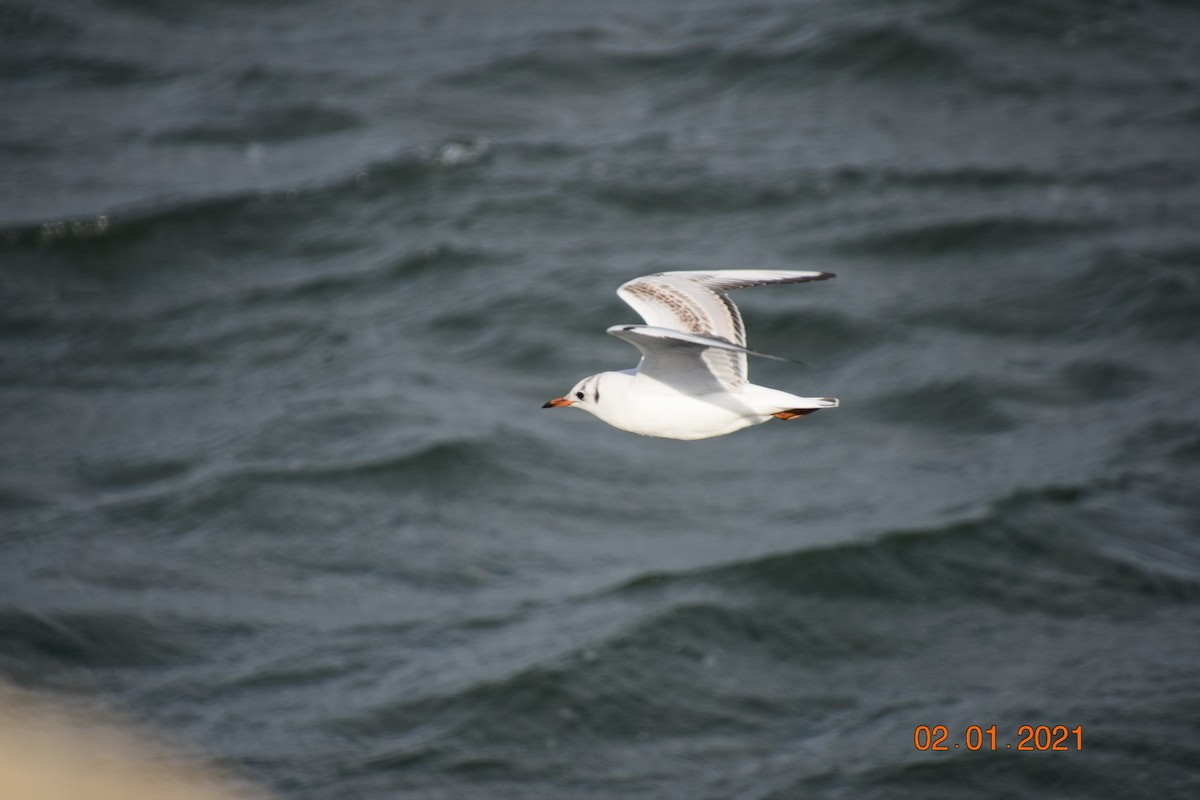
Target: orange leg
[[792, 413]]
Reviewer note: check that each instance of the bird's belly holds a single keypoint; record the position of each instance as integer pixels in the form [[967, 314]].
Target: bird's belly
[[683, 417]]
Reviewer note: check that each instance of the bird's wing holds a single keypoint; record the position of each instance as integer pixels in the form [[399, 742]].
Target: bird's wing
[[696, 303], [684, 361]]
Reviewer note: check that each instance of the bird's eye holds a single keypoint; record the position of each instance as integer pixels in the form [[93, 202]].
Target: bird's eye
[[579, 395]]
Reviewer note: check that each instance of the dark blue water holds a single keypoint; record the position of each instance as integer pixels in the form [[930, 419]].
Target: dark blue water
[[284, 286]]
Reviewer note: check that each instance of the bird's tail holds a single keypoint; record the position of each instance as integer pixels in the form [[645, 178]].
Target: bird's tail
[[807, 405]]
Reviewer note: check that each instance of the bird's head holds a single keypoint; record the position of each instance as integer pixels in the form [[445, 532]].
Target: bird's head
[[585, 395]]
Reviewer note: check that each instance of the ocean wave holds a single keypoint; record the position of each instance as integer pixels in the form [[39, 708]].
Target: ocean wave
[[781, 49], [271, 125], [990, 232], [960, 406], [608, 60], [31, 22], [1091, 380], [247, 219], [666, 661], [1176, 440], [432, 464], [137, 473], [429, 468], [16, 497], [1036, 550], [891, 49], [649, 181], [1153, 173], [1151, 291], [1070, 22], [86, 639], [431, 260], [1154, 290], [168, 217], [814, 336], [653, 188], [628, 687], [91, 71]]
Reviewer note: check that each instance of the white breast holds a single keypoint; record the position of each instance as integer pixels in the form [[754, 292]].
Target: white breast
[[644, 407]]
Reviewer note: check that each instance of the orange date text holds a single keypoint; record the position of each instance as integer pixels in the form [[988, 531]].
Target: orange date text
[[1039, 738]]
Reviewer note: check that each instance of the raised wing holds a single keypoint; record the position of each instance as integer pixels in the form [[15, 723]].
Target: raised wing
[[696, 303], [684, 360]]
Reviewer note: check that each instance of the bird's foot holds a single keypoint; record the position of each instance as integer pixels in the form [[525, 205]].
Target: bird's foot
[[792, 413]]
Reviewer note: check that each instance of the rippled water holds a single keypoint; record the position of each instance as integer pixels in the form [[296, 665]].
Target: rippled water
[[285, 286]]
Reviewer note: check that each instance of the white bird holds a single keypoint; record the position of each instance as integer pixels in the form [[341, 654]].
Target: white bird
[[691, 382]]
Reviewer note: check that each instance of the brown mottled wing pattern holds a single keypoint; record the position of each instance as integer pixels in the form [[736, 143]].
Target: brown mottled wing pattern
[[696, 302]]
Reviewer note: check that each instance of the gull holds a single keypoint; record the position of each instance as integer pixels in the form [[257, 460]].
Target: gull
[[691, 382]]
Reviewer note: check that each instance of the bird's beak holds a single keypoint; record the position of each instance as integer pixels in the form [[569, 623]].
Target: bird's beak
[[559, 402]]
